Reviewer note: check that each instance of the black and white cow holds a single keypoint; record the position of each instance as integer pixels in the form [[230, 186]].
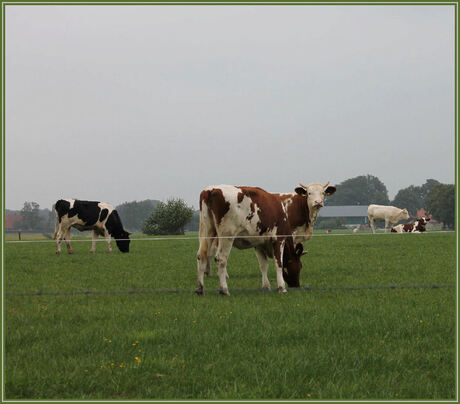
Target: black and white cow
[[100, 217]]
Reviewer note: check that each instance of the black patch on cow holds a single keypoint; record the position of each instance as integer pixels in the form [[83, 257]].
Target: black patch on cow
[[115, 229], [62, 208], [113, 224], [104, 213], [87, 211]]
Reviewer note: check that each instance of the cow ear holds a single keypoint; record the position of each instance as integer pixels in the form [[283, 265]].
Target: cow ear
[[301, 191], [299, 249], [330, 190]]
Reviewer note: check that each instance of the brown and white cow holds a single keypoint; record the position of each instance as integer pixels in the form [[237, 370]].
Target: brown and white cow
[[275, 225], [389, 214], [414, 227]]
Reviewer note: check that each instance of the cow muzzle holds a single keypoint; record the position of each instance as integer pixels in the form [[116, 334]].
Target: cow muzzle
[[318, 204]]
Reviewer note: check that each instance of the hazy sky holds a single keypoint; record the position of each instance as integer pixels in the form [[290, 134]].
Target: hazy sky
[[123, 103]]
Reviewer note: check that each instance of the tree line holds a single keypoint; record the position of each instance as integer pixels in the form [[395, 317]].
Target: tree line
[[176, 217]]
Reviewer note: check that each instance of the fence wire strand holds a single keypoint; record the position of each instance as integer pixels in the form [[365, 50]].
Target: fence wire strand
[[103, 239], [189, 291]]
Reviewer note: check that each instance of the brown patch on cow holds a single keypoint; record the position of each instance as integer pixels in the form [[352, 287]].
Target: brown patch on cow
[[270, 210], [297, 211], [216, 203], [408, 227]]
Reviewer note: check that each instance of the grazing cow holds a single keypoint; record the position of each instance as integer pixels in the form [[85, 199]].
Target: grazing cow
[[275, 225], [413, 227], [389, 214], [100, 217]]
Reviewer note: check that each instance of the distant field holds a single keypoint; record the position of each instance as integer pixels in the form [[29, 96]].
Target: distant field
[[319, 344]]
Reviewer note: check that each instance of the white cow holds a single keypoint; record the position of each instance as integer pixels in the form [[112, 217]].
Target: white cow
[[389, 214]]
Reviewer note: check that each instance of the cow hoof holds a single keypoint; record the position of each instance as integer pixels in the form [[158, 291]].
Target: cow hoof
[[282, 290], [58, 253], [224, 292], [200, 290], [266, 289], [70, 251]]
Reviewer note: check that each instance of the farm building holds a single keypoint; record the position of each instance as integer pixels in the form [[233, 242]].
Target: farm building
[[353, 214], [11, 219]]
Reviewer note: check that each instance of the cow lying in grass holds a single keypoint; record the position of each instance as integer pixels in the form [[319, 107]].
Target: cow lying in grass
[[414, 227]]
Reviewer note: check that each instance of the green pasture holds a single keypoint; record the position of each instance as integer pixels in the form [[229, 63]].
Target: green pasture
[[308, 345]]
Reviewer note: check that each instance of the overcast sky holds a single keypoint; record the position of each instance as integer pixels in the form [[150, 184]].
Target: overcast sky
[[122, 103]]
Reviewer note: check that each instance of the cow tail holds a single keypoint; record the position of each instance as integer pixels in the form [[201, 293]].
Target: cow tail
[[56, 226], [207, 227]]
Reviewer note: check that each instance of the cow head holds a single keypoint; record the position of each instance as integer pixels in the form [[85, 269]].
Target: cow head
[[404, 215], [315, 194], [424, 220], [291, 263], [122, 241]]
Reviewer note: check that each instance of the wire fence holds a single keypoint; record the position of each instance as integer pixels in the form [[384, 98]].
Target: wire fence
[[197, 237], [189, 291]]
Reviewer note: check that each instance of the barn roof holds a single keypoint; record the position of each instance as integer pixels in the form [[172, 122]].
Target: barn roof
[[343, 211]]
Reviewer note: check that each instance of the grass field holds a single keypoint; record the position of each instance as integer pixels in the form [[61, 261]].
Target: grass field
[[319, 344]]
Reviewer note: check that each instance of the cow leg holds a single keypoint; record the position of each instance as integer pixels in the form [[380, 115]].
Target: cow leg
[[387, 222], [59, 238], [263, 265], [372, 224], [202, 262], [212, 248], [107, 240], [223, 251], [93, 244], [279, 248], [63, 234]]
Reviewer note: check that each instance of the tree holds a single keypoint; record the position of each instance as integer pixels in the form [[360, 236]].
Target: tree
[[31, 219], [440, 202], [194, 223], [133, 214], [413, 197], [410, 199], [361, 190], [168, 218]]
